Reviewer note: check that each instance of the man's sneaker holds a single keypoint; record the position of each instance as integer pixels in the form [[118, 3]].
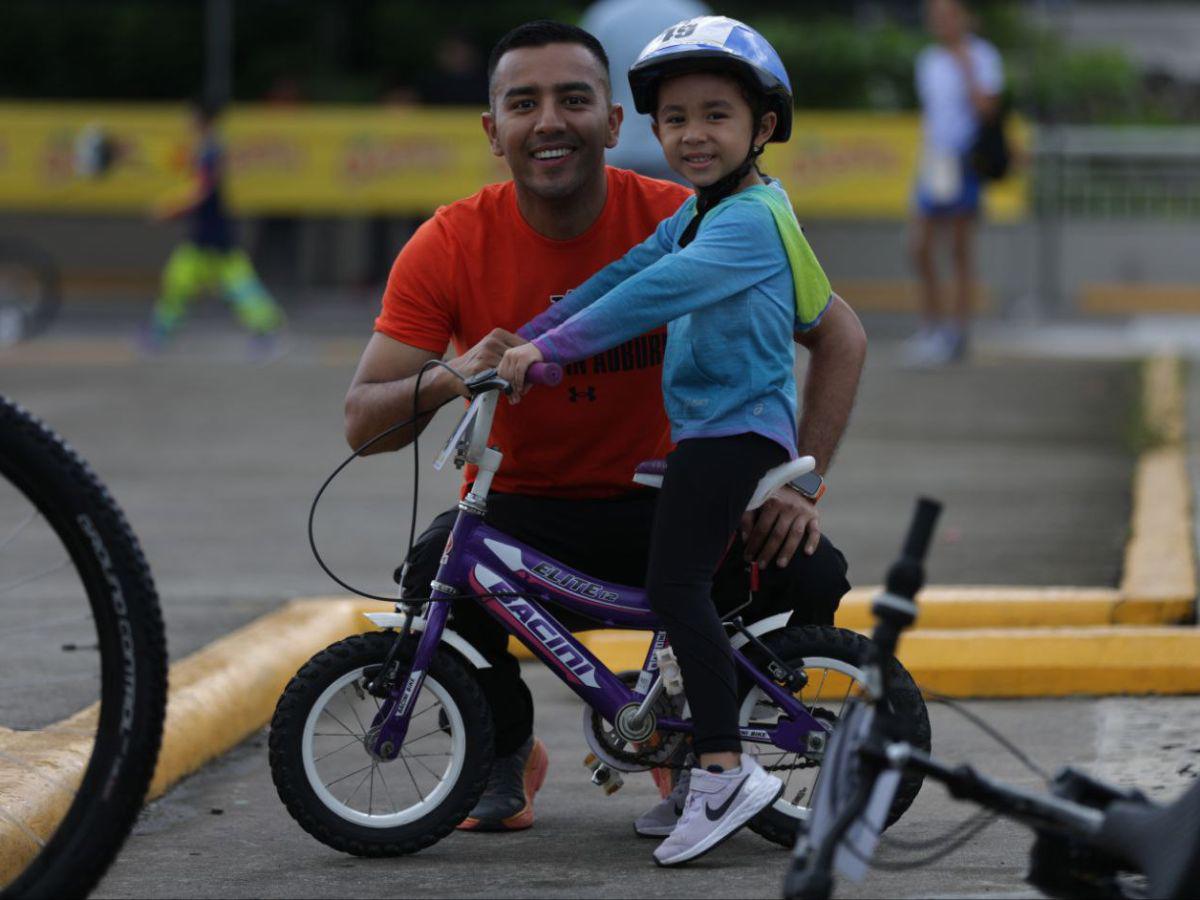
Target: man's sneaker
[[659, 821], [718, 804], [507, 801]]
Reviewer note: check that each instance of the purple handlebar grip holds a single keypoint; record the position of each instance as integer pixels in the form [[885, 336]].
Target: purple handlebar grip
[[548, 374]]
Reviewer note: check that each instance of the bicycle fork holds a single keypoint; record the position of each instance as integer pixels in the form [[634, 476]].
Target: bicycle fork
[[389, 728]]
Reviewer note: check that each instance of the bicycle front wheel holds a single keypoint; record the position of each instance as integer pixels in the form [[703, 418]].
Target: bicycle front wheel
[[83, 667]]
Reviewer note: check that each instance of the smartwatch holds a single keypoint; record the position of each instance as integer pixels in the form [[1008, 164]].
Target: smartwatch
[[810, 486]]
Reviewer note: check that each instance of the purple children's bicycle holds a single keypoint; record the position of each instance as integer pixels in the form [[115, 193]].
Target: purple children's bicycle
[[382, 743]]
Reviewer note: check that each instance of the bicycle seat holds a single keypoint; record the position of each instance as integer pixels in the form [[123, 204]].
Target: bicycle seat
[[1164, 842], [650, 473]]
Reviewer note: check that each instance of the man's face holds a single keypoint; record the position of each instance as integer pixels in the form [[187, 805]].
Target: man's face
[[551, 118]]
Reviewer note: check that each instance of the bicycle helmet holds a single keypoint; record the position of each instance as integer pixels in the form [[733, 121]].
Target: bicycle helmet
[[715, 44]]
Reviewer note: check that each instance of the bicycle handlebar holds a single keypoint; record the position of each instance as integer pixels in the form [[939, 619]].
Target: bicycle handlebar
[[543, 373], [920, 531]]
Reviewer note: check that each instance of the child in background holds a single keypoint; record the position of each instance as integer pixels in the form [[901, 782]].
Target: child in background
[[734, 277], [210, 258]]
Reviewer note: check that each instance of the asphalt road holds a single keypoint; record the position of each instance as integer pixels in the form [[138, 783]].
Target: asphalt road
[[224, 832], [215, 461]]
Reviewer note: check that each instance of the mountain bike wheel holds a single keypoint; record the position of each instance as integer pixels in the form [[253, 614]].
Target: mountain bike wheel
[[83, 667], [350, 800], [832, 659], [29, 291]]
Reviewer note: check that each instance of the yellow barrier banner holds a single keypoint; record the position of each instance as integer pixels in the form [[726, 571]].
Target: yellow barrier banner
[[344, 160]]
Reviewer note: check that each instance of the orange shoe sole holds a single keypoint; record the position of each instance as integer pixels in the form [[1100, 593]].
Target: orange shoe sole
[[535, 777]]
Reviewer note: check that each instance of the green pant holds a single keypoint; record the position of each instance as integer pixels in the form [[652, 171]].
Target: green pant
[[193, 269]]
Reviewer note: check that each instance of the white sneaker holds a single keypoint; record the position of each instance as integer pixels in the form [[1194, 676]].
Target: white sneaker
[[718, 804], [660, 820]]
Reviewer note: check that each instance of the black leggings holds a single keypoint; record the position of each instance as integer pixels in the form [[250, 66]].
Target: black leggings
[[706, 488], [608, 539]]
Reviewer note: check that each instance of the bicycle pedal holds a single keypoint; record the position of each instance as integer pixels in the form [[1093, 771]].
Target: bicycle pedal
[[604, 776]]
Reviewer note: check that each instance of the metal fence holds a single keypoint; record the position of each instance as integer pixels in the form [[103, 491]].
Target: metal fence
[[1097, 173]]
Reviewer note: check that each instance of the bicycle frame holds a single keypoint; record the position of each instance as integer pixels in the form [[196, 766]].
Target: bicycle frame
[[512, 581]]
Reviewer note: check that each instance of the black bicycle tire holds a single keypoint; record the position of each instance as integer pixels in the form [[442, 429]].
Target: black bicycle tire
[[797, 643], [287, 767], [46, 272], [125, 607]]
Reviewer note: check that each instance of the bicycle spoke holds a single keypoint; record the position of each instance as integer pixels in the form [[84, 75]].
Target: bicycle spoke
[[33, 517], [349, 731], [413, 777], [357, 717], [12, 585], [437, 730], [348, 775], [425, 710], [821, 686], [371, 789], [338, 750], [426, 755], [425, 767], [360, 784], [387, 792]]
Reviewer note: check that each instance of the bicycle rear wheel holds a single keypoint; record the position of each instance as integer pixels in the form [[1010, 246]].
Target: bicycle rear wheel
[[29, 291], [83, 667]]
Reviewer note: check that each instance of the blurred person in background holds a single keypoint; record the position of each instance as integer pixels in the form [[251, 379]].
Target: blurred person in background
[[210, 258], [624, 28], [959, 80], [458, 77]]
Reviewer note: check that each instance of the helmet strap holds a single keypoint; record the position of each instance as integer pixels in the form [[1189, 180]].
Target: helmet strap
[[709, 196]]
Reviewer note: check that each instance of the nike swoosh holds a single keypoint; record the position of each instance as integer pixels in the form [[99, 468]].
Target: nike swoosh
[[714, 814]]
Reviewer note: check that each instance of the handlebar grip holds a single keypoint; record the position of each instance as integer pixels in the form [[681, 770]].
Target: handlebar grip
[[920, 531], [543, 373]]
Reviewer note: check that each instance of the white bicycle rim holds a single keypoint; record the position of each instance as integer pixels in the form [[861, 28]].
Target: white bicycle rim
[[757, 696], [429, 802]]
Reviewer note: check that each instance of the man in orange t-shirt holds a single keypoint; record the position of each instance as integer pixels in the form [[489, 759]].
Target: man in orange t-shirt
[[484, 266]]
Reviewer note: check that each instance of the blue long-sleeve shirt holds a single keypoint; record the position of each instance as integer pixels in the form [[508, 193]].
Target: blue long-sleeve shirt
[[732, 304]]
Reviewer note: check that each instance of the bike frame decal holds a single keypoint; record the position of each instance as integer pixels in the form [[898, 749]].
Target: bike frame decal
[[511, 581]]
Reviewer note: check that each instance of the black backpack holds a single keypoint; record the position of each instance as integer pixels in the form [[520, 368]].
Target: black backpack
[[990, 156]]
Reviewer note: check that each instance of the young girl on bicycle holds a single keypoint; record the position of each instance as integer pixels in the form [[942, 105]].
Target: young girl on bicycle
[[734, 278]]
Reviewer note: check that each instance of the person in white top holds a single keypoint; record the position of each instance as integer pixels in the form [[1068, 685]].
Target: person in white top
[[959, 80]]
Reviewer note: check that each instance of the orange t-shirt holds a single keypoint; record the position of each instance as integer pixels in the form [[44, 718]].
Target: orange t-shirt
[[477, 265]]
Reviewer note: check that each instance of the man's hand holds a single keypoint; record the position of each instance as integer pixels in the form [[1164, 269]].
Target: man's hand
[[484, 355], [775, 530], [514, 365]]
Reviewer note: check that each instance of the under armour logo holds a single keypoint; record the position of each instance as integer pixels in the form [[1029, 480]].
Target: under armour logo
[[575, 394]]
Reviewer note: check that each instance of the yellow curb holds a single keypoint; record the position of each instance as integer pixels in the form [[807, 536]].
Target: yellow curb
[[226, 691], [218, 697], [1132, 299], [1159, 558], [1038, 662]]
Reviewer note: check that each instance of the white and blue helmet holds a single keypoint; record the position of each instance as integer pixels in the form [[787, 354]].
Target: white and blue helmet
[[713, 43]]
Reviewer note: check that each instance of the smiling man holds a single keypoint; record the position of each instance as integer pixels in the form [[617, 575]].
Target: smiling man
[[484, 266]]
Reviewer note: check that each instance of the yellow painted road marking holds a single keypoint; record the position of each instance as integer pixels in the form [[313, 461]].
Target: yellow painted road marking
[[1159, 558]]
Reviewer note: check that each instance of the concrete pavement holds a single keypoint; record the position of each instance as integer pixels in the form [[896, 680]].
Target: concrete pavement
[[215, 459]]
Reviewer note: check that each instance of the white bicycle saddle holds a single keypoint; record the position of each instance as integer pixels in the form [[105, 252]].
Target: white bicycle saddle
[[650, 473]]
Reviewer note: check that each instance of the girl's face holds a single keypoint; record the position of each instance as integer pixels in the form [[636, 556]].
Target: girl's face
[[704, 125]]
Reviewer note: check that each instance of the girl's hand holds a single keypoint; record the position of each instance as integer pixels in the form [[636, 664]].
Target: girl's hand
[[513, 366]]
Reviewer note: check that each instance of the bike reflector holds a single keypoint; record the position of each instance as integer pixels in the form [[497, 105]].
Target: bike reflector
[[842, 773], [460, 433]]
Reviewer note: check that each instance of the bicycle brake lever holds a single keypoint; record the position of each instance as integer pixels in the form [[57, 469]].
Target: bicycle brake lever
[[486, 380]]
